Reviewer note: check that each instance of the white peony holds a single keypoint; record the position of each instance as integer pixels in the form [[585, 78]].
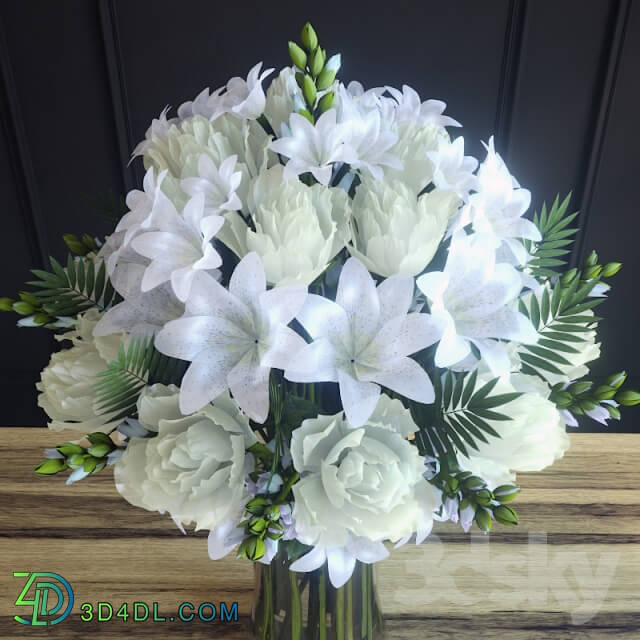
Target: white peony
[[66, 386], [415, 142], [533, 439], [395, 232], [194, 469], [298, 229], [366, 482]]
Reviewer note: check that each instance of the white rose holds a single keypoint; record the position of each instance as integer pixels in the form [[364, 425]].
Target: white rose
[[415, 140], [395, 233], [533, 439], [67, 382], [366, 482], [280, 99], [194, 469], [298, 229]]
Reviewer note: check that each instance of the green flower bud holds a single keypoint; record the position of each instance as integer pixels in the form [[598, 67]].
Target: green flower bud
[[326, 102], [506, 492], [272, 512], [89, 242], [325, 79], [74, 244], [297, 55], [578, 388], [616, 380], [23, 308], [316, 62], [604, 392], [567, 277], [69, 448], [90, 463], [610, 269], [587, 405], [484, 497], [100, 438], [309, 91], [100, 450], [592, 272], [252, 548], [42, 318], [300, 79], [473, 482], [51, 466], [100, 466], [257, 525], [563, 399], [308, 37], [483, 519], [614, 412], [505, 515], [463, 504], [256, 506], [307, 114], [6, 304], [592, 259], [75, 460], [30, 298], [453, 484], [628, 398]]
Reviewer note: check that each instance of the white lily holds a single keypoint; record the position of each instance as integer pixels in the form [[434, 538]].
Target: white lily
[[496, 210], [246, 98], [233, 338], [316, 147], [453, 171], [411, 108], [472, 301], [363, 340], [180, 247], [217, 184]]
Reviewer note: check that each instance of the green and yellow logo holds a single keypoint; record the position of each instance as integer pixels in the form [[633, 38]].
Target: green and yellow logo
[[45, 610]]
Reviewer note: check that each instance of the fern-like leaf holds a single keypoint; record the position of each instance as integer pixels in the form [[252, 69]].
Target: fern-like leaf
[[68, 291], [463, 419], [137, 365], [547, 254]]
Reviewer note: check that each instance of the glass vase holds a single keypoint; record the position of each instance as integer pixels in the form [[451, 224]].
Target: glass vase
[[305, 606]]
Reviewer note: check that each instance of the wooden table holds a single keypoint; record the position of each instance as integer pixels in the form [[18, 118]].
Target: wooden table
[[570, 570]]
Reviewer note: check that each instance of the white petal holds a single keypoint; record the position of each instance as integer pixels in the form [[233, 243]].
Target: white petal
[[310, 561], [217, 543], [366, 550], [285, 344], [249, 384], [357, 295], [185, 338], [408, 378], [205, 380], [341, 565], [395, 294], [404, 335], [316, 362], [282, 304], [321, 317], [495, 356], [248, 280], [358, 398]]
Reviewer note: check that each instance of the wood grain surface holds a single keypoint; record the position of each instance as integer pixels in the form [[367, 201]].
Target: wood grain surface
[[571, 569]]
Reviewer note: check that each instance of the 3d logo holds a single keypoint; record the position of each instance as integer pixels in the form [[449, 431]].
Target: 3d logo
[[40, 600]]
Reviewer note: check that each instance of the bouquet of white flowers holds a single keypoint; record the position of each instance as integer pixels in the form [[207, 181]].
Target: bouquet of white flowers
[[317, 329]]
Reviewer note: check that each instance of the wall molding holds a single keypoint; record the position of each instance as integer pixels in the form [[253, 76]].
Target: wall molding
[[119, 95]]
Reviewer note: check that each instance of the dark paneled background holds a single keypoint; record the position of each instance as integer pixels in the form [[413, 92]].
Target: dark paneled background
[[557, 81]]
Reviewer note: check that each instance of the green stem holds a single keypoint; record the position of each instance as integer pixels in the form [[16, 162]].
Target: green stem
[[267, 621], [296, 607], [284, 492], [339, 619], [350, 608], [322, 613], [369, 568], [365, 602]]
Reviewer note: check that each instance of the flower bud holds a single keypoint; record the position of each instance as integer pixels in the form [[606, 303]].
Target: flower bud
[[6, 304], [309, 38], [307, 114], [257, 525], [316, 62], [89, 242], [74, 244], [484, 497], [483, 519], [256, 506], [334, 63], [610, 269], [50, 466], [326, 102], [578, 388], [41, 318], [297, 55], [90, 463], [614, 412], [473, 482], [604, 392], [99, 450], [506, 493], [592, 272], [616, 380], [628, 398], [309, 91], [25, 296], [505, 515], [69, 448], [272, 512], [325, 79], [567, 277], [300, 79], [592, 259], [23, 308], [75, 460]]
